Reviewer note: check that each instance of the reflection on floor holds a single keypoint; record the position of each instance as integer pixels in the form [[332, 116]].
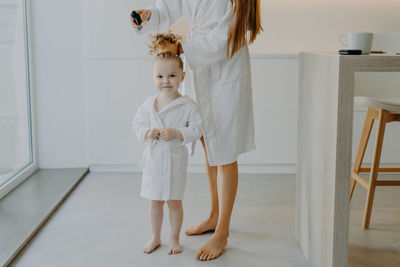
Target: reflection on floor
[[104, 223], [25, 209], [4, 176], [380, 245]]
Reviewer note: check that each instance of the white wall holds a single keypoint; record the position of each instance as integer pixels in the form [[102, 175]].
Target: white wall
[[91, 75], [309, 25], [58, 83]]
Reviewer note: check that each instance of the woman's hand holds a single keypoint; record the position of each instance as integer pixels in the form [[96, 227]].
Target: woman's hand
[[173, 48], [180, 49], [152, 134], [167, 134], [144, 15]]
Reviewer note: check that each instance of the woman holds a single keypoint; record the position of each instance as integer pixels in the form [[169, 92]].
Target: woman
[[218, 79]]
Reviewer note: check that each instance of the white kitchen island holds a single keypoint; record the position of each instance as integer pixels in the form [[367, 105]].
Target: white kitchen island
[[325, 122]]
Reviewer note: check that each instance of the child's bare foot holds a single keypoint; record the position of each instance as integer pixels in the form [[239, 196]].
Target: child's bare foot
[[174, 247], [213, 248], [151, 246], [206, 226]]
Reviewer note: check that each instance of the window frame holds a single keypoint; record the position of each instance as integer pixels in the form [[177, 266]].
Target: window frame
[[24, 173]]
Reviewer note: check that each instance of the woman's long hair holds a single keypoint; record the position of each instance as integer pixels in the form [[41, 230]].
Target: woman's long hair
[[245, 18]]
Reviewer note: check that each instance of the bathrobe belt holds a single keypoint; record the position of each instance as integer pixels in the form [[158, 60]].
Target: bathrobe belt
[[159, 124]]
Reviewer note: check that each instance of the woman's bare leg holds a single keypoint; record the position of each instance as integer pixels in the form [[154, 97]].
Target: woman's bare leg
[[156, 213], [211, 222], [227, 187], [175, 219]]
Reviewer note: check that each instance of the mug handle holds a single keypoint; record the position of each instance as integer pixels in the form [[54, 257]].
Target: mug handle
[[341, 39]]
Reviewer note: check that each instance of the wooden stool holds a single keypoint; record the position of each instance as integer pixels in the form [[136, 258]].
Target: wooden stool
[[384, 111]]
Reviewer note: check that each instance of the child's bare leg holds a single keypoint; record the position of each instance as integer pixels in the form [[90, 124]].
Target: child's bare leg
[[175, 218], [227, 188], [211, 222], [156, 213]]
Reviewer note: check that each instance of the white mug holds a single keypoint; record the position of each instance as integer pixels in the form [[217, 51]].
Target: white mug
[[357, 40]]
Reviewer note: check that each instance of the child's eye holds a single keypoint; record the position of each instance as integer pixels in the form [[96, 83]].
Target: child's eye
[[159, 76], [172, 75]]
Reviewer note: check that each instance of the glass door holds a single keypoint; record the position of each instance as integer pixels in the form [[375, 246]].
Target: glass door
[[17, 159]]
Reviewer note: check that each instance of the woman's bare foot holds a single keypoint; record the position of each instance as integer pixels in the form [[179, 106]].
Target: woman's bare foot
[[174, 247], [206, 226], [213, 248], [151, 246]]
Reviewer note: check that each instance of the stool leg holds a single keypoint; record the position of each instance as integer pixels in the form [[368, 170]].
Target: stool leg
[[375, 167], [353, 183], [366, 132]]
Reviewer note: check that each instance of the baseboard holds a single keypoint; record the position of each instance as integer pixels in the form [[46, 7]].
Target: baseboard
[[200, 168]]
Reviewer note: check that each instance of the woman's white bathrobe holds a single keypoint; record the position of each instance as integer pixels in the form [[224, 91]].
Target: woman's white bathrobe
[[164, 170], [220, 86]]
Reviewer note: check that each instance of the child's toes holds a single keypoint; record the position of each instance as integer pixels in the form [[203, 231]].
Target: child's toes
[[174, 250]]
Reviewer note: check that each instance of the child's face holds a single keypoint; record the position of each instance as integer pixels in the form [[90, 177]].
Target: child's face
[[167, 75]]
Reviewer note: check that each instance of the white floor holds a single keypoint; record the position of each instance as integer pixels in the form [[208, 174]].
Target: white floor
[[104, 223]]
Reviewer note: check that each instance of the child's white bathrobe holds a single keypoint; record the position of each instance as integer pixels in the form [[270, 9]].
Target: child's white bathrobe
[[220, 86], [164, 166]]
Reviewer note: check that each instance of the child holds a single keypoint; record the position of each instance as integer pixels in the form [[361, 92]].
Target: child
[[166, 122]]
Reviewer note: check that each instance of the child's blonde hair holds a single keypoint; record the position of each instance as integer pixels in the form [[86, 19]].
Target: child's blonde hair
[[164, 56], [161, 40]]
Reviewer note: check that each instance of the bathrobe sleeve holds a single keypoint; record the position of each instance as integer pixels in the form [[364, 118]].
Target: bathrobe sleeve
[[211, 48], [193, 131], [164, 15], [141, 123]]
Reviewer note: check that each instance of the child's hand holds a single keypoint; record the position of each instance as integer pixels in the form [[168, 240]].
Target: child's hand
[[153, 134], [167, 134], [144, 15]]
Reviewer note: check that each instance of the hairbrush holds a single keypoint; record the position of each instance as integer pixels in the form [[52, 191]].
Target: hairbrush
[[136, 18]]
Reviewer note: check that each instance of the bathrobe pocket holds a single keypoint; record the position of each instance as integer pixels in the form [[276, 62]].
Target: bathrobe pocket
[[178, 160], [178, 171]]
